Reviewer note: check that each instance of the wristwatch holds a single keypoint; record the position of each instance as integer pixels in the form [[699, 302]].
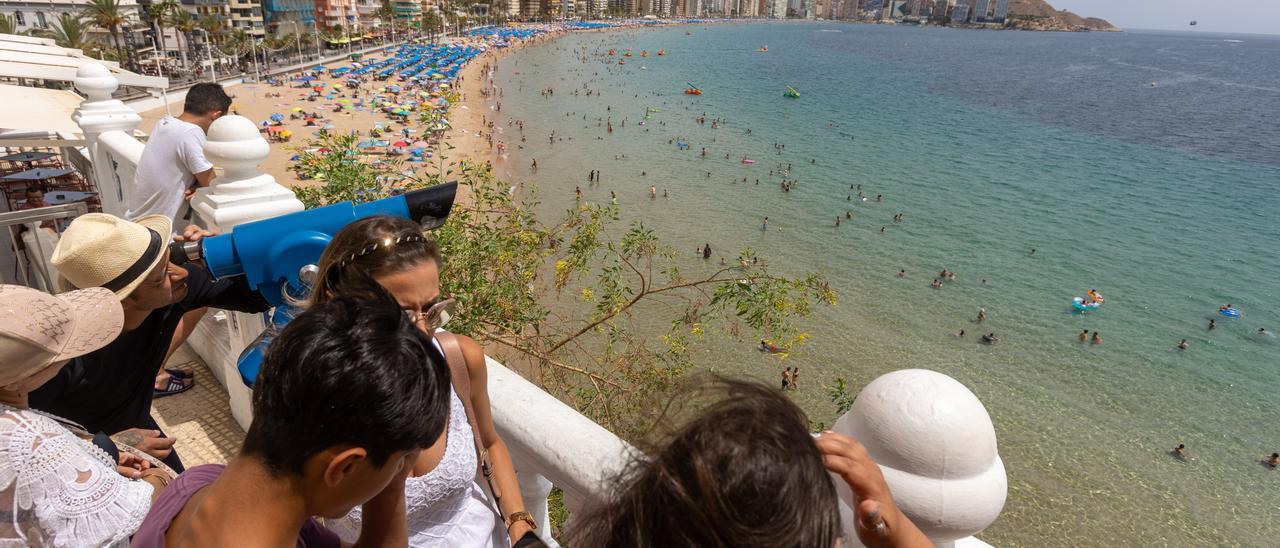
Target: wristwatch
[[521, 516]]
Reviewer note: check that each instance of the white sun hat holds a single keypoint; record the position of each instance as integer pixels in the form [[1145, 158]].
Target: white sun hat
[[37, 329]]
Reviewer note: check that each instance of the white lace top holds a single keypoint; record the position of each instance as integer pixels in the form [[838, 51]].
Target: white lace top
[[445, 507], [62, 490]]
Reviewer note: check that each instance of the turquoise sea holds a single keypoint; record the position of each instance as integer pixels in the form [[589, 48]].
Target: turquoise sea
[[1164, 197]]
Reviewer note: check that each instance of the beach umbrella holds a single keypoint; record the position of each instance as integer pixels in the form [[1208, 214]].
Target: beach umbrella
[[297, 109], [399, 144], [421, 144], [277, 117], [319, 67]]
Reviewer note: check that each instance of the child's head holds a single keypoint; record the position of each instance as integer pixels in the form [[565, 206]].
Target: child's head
[[349, 393]]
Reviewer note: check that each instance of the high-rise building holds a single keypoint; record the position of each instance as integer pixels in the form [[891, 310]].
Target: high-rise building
[[960, 14], [288, 16], [1002, 11], [337, 13], [979, 14], [246, 15]]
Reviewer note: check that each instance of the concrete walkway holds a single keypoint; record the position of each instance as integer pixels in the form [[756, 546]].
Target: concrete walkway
[[200, 418]]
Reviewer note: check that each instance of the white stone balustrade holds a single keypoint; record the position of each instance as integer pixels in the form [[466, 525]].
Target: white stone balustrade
[[931, 436], [240, 193], [108, 127], [936, 445]]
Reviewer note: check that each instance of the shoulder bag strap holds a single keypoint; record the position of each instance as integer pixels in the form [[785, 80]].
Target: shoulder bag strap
[[461, 379]]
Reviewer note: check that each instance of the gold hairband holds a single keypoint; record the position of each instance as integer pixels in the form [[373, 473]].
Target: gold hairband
[[386, 243]]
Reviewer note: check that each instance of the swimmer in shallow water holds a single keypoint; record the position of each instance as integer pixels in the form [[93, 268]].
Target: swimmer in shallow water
[[1084, 335], [1274, 461], [1096, 339], [1182, 344], [1180, 452]]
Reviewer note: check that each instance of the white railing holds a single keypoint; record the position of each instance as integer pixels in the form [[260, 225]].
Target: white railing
[[931, 436]]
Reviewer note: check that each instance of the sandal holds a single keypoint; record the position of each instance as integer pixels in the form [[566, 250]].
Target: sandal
[[175, 386], [181, 373]]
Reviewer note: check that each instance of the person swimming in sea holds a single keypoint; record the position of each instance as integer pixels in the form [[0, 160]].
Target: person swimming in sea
[[990, 338], [960, 334], [1213, 324], [1084, 335], [1182, 344], [1096, 339], [902, 273], [1274, 461], [1225, 307], [982, 314], [1180, 452], [936, 284]]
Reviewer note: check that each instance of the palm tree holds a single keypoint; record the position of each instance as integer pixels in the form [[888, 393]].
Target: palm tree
[[182, 21], [156, 15], [8, 25], [211, 24], [109, 16], [70, 31]]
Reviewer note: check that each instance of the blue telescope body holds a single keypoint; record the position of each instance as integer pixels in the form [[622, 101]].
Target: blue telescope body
[[272, 254]]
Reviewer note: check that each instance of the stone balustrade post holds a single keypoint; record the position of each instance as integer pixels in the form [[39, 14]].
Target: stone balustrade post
[[100, 113], [239, 194], [936, 445]]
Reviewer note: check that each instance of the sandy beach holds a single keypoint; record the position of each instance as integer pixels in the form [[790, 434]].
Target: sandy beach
[[466, 140]]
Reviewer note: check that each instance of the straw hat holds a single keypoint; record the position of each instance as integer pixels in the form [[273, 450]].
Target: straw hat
[[37, 329], [100, 250]]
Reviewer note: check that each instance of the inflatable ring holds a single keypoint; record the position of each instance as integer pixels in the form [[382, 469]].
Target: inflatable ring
[[1230, 312], [1079, 304]]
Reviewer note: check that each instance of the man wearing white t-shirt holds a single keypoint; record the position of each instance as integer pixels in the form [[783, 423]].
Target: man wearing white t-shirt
[[173, 162]]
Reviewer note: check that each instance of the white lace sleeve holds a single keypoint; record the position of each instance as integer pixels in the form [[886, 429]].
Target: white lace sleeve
[[59, 490]]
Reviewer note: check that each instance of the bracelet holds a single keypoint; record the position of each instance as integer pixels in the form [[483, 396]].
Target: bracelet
[[521, 516]]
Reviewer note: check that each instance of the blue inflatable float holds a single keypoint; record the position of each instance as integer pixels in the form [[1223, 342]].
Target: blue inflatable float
[[1079, 304], [1230, 312]]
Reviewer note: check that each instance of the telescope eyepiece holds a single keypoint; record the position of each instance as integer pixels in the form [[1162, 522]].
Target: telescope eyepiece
[[181, 253]]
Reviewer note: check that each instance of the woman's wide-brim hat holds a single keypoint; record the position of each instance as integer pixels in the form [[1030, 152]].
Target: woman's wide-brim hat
[[37, 329], [100, 250]]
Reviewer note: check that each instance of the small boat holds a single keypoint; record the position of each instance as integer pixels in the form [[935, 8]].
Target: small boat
[[791, 92], [746, 160], [692, 89], [621, 62], [763, 48], [644, 53], [613, 52], [662, 52], [1193, 23]]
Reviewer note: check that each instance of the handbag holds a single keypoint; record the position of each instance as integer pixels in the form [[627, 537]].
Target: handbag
[[461, 380]]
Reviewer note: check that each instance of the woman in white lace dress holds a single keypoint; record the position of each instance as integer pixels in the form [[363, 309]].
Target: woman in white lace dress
[[58, 488], [447, 502]]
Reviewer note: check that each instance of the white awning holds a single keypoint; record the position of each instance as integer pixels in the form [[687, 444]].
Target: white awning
[[41, 58], [41, 110]]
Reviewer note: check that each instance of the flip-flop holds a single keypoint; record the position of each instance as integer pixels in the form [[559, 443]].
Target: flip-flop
[[181, 373], [175, 386]]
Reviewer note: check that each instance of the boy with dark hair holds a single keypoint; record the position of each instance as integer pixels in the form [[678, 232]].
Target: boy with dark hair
[[173, 162], [349, 394]]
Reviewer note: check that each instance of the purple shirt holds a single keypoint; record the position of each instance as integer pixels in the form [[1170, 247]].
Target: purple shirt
[[176, 495]]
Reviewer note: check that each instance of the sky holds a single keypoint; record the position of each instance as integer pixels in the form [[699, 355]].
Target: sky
[[1248, 16]]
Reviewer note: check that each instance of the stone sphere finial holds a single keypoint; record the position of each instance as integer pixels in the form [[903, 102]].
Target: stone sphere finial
[[235, 145], [936, 445], [96, 82]]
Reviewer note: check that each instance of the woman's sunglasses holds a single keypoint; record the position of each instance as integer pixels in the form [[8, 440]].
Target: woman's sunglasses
[[434, 317]]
